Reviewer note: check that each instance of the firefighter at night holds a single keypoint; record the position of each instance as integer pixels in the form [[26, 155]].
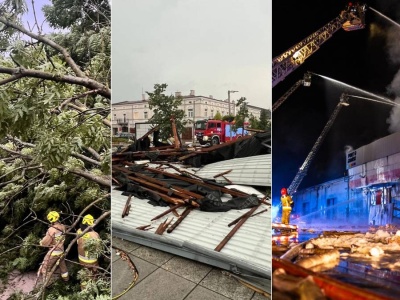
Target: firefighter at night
[[54, 239], [287, 203]]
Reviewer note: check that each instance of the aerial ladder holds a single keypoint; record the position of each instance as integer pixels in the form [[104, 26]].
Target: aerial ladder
[[352, 18], [343, 101], [306, 81]]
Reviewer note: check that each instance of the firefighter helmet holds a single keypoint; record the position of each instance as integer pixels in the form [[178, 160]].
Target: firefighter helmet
[[53, 216], [88, 220], [283, 191]]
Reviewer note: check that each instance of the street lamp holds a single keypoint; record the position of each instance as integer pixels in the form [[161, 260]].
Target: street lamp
[[194, 121], [229, 101]]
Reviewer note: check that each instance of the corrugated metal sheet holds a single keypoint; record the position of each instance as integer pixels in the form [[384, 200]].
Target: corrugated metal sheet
[[249, 250], [254, 170]]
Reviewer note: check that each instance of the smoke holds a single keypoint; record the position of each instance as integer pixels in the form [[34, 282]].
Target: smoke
[[394, 118], [393, 45]]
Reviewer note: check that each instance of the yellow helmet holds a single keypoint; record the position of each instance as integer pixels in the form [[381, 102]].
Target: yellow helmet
[[53, 216], [88, 220]]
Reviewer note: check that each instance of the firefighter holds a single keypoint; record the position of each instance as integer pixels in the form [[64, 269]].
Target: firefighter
[[287, 203], [54, 238], [86, 258]]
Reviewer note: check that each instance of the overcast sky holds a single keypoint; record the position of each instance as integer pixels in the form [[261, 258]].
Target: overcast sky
[[210, 46], [29, 18]]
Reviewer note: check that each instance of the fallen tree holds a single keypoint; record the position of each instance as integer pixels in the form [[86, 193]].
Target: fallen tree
[[54, 133]]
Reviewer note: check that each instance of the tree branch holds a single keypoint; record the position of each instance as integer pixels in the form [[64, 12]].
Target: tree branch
[[102, 180], [93, 152], [65, 102], [11, 79], [11, 181], [15, 152], [19, 168], [83, 109], [13, 139], [18, 73], [86, 208], [77, 155], [85, 158], [49, 42]]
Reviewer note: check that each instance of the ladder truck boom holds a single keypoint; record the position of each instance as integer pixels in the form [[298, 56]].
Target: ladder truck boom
[[286, 95], [292, 58], [306, 81], [306, 164], [352, 18]]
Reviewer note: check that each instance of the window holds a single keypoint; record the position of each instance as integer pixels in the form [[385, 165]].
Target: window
[[212, 113], [190, 112], [205, 112], [200, 125], [145, 115]]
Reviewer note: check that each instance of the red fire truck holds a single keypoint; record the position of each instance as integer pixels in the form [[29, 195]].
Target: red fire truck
[[216, 131]]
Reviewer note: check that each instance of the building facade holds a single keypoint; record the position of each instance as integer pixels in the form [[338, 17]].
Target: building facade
[[127, 113], [369, 195]]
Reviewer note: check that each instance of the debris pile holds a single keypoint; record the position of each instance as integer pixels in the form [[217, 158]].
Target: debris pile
[[155, 151], [368, 261], [165, 198], [169, 186], [295, 282]]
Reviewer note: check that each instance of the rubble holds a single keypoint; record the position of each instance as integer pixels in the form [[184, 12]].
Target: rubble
[[171, 205], [189, 154], [367, 261]]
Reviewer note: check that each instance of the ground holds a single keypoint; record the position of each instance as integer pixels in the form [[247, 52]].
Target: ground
[[166, 276]]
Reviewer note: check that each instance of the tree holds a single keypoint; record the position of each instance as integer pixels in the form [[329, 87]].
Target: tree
[[254, 122], [242, 112], [218, 116], [228, 118], [54, 136], [164, 107], [83, 15], [265, 123]]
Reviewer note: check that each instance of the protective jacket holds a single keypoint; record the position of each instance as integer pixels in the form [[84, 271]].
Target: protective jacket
[[54, 238], [286, 201], [84, 256]]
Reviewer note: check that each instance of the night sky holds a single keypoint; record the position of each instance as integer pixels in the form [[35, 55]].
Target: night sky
[[359, 58]]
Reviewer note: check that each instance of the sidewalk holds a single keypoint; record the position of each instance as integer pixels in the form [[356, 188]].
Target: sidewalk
[[164, 276]]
